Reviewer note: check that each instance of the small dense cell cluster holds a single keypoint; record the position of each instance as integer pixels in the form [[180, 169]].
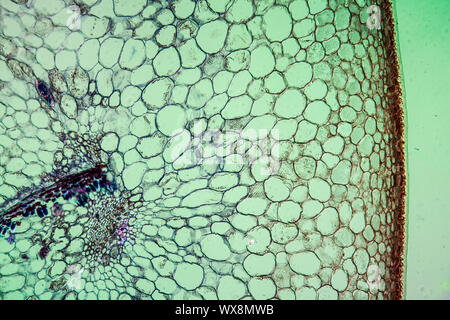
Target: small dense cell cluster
[[211, 149], [103, 215]]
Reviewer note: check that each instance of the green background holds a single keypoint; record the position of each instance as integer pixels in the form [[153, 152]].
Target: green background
[[424, 40]]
